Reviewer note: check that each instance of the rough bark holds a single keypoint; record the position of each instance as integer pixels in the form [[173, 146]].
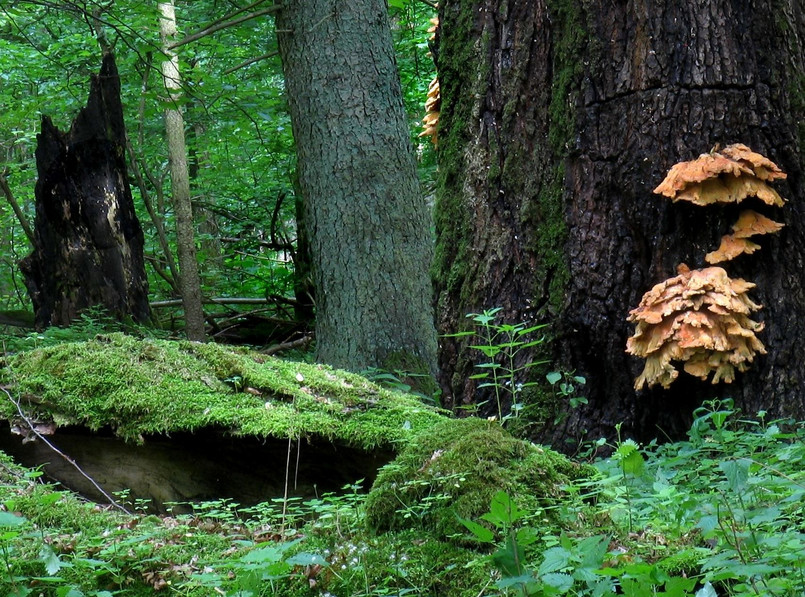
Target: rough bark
[[189, 279], [367, 222], [88, 248], [603, 100]]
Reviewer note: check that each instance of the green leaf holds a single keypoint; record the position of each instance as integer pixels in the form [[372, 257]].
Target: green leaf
[[706, 591], [503, 509], [737, 473], [630, 458], [553, 377], [555, 558], [509, 558], [51, 561], [7, 519], [561, 582], [678, 586], [482, 534]]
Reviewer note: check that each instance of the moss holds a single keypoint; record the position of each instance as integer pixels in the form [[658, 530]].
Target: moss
[[138, 387], [409, 562], [455, 468], [452, 252], [687, 562]]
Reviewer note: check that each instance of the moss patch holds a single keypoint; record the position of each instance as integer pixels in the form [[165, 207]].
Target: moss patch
[[138, 387], [455, 468]]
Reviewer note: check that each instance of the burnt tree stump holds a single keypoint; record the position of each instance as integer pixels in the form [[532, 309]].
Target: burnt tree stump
[[88, 247]]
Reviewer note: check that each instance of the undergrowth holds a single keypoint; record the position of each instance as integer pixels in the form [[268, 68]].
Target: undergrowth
[[717, 515]]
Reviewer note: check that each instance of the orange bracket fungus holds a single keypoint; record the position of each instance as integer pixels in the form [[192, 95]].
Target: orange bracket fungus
[[430, 123], [726, 176], [750, 223], [701, 317]]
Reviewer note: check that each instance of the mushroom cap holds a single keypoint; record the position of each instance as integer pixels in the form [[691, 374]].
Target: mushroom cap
[[762, 166], [729, 189], [750, 223], [726, 176], [731, 246], [707, 166], [699, 317]]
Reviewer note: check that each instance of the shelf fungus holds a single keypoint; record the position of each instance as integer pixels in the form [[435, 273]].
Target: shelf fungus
[[728, 175], [433, 103], [699, 317], [749, 224], [430, 123]]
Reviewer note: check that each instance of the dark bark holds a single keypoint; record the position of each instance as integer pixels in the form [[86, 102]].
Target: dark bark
[[89, 245], [610, 97], [366, 220]]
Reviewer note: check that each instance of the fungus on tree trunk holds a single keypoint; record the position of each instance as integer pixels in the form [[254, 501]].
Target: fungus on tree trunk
[[701, 317], [430, 123], [750, 223], [726, 176]]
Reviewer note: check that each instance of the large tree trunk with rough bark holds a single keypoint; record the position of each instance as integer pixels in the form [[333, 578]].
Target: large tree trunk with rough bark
[[88, 248], [367, 222], [551, 145]]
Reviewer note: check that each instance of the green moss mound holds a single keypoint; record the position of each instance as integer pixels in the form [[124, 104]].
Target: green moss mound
[[454, 469], [146, 386]]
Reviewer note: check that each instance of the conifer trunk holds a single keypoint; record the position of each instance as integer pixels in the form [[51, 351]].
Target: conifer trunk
[[367, 222]]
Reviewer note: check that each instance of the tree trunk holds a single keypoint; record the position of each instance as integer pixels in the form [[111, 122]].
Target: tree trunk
[[550, 149], [189, 279], [88, 248], [367, 222]]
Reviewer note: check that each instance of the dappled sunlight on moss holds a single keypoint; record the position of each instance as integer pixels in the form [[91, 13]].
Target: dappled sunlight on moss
[[454, 469], [146, 386]]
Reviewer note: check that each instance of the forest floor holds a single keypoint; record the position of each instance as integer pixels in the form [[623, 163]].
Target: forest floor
[[457, 508]]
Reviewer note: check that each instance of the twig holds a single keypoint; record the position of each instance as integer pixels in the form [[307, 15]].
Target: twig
[[212, 29], [60, 453], [215, 301], [251, 61], [303, 341], [26, 226]]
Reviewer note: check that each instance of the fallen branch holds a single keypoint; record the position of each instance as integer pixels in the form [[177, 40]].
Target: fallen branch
[[72, 462], [300, 343], [212, 301]]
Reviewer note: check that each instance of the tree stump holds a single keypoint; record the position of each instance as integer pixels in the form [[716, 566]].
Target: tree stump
[[88, 248]]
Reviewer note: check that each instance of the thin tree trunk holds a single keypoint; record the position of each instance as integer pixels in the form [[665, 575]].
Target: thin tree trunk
[[189, 279], [367, 221], [550, 149]]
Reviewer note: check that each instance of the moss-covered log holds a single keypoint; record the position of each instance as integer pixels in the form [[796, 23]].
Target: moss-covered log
[[212, 421], [558, 119]]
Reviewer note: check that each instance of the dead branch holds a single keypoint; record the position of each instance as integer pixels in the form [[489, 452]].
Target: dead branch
[[69, 460], [300, 343]]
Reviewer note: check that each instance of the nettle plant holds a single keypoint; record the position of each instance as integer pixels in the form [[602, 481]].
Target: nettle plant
[[504, 370], [701, 317]]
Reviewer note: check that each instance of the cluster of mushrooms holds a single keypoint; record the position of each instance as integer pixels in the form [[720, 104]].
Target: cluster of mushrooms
[[430, 123], [702, 317]]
